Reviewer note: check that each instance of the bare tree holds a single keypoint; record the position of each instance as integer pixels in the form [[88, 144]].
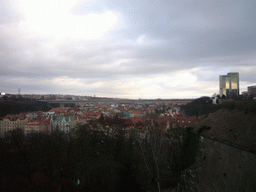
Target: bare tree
[[160, 150]]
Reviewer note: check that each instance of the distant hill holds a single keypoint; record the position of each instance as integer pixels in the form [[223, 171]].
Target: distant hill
[[23, 105]]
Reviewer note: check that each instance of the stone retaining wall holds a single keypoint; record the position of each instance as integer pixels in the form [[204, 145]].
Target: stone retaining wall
[[224, 167]]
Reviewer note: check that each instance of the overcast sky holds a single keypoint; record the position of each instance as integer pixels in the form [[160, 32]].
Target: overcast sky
[[126, 48]]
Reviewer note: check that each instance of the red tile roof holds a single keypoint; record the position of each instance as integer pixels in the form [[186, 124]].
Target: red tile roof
[[33, 123], [60, 110], [45, 121], [186, 121], [15, 117], [161, 123], [128, 123], [74, 109], [136, 120]]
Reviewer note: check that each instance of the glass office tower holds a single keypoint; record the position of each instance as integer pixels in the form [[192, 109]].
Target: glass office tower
[[229, 84]]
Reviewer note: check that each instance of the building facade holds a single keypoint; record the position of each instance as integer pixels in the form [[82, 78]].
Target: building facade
[[252, 90], [63, 123], [42, 126], [10, 122], [32, 127], [45, 126], [229, 84]]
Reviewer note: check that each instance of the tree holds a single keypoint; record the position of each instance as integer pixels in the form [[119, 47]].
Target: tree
[[159, 151]]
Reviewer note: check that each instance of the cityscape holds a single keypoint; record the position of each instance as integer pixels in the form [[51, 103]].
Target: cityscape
[[83, 108], [127, 96], [159, 121]]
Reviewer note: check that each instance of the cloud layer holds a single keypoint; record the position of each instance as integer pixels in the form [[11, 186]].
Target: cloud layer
[[126, 49]]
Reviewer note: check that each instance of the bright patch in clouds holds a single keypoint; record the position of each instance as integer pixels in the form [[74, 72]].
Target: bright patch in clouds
[[127, 49], [54, 19]]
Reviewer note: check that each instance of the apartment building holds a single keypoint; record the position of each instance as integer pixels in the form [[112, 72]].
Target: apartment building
[[11, 122], [42, 126]]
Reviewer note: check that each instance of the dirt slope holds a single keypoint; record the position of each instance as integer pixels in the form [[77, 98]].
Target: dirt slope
[[237, 127]]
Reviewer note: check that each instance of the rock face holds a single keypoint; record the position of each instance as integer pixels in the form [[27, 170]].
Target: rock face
[[225, 168], [232, 126], [224, 164]]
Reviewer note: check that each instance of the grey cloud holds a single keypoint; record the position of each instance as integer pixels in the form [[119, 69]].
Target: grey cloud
[[205, 29], [179, 35], [90, 7], [7, 13]]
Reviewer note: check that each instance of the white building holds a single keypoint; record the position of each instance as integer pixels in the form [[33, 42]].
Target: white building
[[63, 123]]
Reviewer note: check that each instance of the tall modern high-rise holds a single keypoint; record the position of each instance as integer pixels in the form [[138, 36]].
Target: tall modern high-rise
[[229, 84]]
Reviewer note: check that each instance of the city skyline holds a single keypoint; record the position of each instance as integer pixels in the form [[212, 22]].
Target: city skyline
[[134, 49]]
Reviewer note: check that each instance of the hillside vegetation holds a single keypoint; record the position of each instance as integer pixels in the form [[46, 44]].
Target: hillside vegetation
[[198, 107], [20, 106], [234, 122]]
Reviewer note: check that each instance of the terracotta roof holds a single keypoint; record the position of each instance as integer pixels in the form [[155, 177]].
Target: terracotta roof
[[146, 118], [128, 122], [44, 121], [59, 110], [160, 123], [74, 109], [136, 120], [15, 117], [136, 112], [186, 121], [33, 123], [93, 114], [167, 116]]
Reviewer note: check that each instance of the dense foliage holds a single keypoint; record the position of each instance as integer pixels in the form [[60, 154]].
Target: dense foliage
[[91, 160], [248, 106], [22, 105], [198, 107], [189, 149]]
